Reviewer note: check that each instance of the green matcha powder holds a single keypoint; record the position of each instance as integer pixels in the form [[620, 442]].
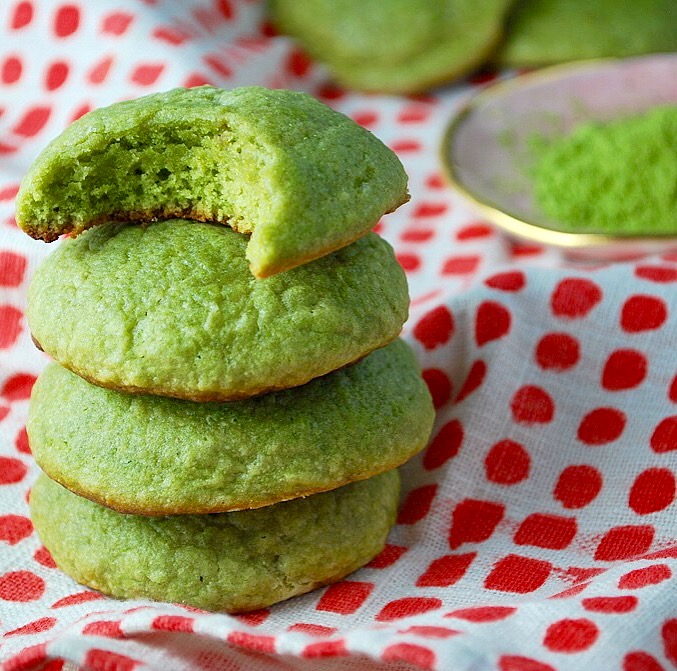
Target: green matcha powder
[[618, 177]]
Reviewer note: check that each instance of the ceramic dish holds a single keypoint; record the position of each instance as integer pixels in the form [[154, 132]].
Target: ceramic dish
[[486, 156]]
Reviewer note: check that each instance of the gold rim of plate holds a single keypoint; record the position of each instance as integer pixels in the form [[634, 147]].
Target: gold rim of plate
[[509, 222]]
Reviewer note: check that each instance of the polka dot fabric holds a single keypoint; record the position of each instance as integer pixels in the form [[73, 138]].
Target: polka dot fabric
[[537, 531]]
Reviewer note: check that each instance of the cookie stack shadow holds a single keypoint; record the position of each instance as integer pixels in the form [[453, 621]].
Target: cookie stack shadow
[[208, 437]]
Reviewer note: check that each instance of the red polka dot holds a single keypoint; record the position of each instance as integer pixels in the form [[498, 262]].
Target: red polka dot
[[474, 232], [335, 648], [624, 369], [672, 392], [572, 591], [513, 280], [577, 486], [43, 556], [414, 114], [196, 79], [492, 321], [116, 23], [106, 660], [482, 76], [32, 122], [387, 557], [345, 597], [4, 411], [546, 531], [557, 352], [81, 111], [23, 15], [11, 70], [254, 618], [461, 265], [107, 628], [173, 623], [435, 181], [312, 629], [473, 381], [226, 9], [100, 70], [653, 490], [408, 607], [474, 521], [637, 660], [439, 385], [250, 642], [21, 441], [406, 147], [571, 636], [18, 387], [507, 463], [417, 235], [519, 663], [56, 75], [644, 577], [669, 636], [517, 574], [12, 269], [574, 298], [446, 571], [624, 542], [43, 624], [601, 426], [11, 470], [8, 192], [532, 405], [664, 437], [610, 604], [661, 274], [643, 313], [147, 73], [331, 91], [417, 504], [365, 118], [14, 528], [430, 209], [21, 586], [483, 613], [410, 262], [74, 599], [297, 63], [66, 20], [416, 655], [435, 328], [444, 446]]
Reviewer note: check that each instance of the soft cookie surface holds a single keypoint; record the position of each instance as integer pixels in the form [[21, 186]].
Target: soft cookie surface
[[156, 456], [399, 45], [171, 309], [234, 561], [302, 178]]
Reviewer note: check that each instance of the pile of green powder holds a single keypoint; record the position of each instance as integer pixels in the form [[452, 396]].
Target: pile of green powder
[[618, 177]]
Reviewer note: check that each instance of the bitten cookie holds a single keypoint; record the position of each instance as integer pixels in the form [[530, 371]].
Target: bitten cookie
[[234, 561], [303, 179], [158, 456], [171, 309], [395, 46], [542, 32]]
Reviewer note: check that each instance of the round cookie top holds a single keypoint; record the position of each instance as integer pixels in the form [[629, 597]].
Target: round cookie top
[[399, 46], [159, 456], [543, 32], [234, 561], [303, 179], [170, 308]]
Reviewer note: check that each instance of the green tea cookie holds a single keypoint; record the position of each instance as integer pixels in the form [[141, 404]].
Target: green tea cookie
[[234, 561], [395, 46], [171, 309], [303, 179], [160, 456], [542, 32]]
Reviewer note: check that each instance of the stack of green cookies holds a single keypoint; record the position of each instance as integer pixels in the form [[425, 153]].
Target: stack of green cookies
[[210, 437]]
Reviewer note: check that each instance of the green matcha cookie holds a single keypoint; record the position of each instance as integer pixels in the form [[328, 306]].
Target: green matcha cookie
[[398, 46], [159, 456], [234, 561], [171, 309], [303, 179], [542, 32]]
